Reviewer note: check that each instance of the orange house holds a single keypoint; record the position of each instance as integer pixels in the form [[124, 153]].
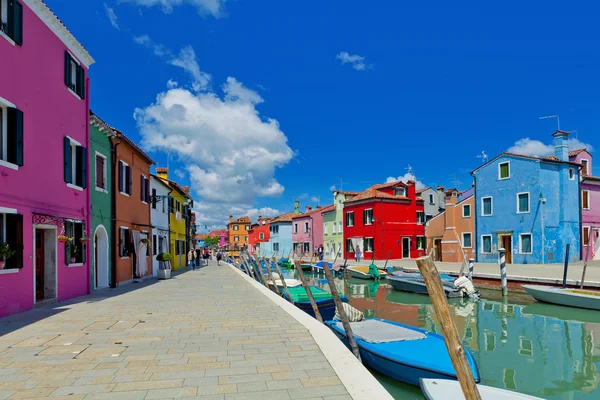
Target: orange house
[[238, 233], [133, 228], [451, 234]]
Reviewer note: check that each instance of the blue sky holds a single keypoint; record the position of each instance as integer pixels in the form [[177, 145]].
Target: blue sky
[[264, 102]]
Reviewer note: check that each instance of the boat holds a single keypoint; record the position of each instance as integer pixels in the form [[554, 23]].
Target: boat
[[442, 389], [318, 268], [565, 297], [290, 283], [413, 285], [323, 300], [402, 352], [417, 275], [362, 272]]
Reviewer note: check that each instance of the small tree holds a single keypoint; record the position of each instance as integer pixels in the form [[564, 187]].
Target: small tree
[[211, 240]]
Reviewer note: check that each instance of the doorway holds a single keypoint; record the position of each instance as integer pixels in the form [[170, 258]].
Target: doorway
[[101, 258], [438, 249], [405, 247], [39, 265], [506, 241], [596, 243], [45, 277]]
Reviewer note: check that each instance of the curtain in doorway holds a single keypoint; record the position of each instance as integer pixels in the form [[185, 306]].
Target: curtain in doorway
[[142, 260]]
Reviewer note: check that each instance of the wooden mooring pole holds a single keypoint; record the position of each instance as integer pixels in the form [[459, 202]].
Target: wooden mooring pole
[[248, 270], [453, 344], [271, 277], [564, 285], [258, 268], [587, 257], [308, 292], [287, 291], [502, 262]]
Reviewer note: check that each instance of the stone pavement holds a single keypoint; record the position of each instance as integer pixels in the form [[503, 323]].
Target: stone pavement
[[204, 334]]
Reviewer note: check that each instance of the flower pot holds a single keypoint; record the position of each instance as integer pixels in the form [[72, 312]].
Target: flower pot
[[164, 274], [73, 260], [62, 238]]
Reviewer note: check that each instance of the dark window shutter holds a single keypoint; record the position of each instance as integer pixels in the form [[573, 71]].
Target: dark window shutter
[[142, 189], [15, 136], [67, 160], [154, 198], [120, 176], [81, 157], [69, 234], [67, 69], [81, 82], [147, 190], [128, 179], [14, 238], [15, 21]]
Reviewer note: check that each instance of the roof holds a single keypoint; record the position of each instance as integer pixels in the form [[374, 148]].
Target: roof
[[200, 236], [389, 184], [590, 179], [180, 189], [314, 211], [551, 159], [572, 153], [131, 143], [102, 126], [346, 192], [287, 217], [373, 193], [160, 180], [419, 191], [243, 220]]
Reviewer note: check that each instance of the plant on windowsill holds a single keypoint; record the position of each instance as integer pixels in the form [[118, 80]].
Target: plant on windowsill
[[164, 265], [146, 243], [5, 254], [84, 239], [74, 250]]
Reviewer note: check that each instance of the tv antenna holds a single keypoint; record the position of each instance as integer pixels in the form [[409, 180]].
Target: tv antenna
[[553, 116], [455, 181], [483, 156], [576, 133], [410, 170]]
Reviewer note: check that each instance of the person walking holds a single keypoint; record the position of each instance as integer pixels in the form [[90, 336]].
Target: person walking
[[190, 256], [198, 258], [219, 256], [358, 253], [320, 251]]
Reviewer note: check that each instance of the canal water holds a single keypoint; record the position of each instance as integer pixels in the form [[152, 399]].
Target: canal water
[[543, 350]]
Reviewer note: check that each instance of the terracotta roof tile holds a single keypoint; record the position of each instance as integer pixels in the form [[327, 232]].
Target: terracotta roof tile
[[314, 211], [388, 184], [242, 220], [574, 153], [372, 193], [133, 145], [287, 217]]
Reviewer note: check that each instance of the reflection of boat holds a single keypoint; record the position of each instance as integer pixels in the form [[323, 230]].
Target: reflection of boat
[[561, 312], [418, 286], [323, 300], [565, 297], [442, 389], [362, 272], [402, 352]]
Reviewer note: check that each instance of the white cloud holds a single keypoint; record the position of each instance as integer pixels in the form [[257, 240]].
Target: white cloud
[[405, 178], [179, 173], [204, 7], [357, 62], [172, 84], [315, 199], [112, 16], [158, 49], [531, 147], [303, 196], [234, 90], [332, 188]]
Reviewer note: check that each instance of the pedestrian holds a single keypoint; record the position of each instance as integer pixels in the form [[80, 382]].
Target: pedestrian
[[191, 255], [320, 250], [358, 253], [219, 256], [198, 257]]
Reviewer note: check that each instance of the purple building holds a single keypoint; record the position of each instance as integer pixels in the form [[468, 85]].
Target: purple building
[[590, 205]]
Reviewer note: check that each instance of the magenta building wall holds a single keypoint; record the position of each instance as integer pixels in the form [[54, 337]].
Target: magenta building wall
[[34, 83], [314, 236]]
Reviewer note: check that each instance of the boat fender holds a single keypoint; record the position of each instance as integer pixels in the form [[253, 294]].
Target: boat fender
[[354, 314], [465, 285]]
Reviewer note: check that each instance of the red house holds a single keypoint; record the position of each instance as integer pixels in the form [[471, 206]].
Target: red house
[[386, 220], [259, 233]]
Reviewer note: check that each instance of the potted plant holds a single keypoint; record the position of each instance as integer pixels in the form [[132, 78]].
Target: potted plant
[[164, 265], [146, 242], [5, 254], [74, 250], [84, 239], [62, 238]]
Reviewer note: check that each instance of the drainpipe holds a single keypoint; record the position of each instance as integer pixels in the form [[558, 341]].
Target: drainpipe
[[381, 224], [88, 201], [475, 202], [113, 200], [581, 219]]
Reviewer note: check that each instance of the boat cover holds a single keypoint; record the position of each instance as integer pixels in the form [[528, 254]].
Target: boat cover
[[374, 331], [374, 271]]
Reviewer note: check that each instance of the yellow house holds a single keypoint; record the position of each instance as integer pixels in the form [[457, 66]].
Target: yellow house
[[179, 212]]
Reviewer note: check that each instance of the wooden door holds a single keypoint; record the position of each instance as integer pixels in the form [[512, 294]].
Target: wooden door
[[507, 244], [39, 264], [438, 250], [405, 247]]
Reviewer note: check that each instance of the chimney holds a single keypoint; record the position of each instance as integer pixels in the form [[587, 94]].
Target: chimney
[[561, 145], [441, 195], [308, 208], [451, 197], [230, 218], [296, 207], [162, 173]]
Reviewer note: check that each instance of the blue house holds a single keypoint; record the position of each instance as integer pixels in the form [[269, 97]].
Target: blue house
[[280, 236], [528, 206]]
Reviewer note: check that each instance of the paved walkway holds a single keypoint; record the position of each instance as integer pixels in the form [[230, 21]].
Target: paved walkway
[[204, 334]]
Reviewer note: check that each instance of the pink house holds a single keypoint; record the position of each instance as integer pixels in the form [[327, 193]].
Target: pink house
[[307, 229], [44, 136], [590, 205]]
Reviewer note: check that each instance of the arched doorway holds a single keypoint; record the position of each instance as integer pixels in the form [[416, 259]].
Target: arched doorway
[[100, 256]]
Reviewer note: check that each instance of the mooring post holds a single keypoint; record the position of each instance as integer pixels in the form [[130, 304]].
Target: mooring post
[[283, 282], [340, 308], [471, 267], [308, 291], [258, 267], [271, 277], [587, 257], [502, 262], [566, 266]]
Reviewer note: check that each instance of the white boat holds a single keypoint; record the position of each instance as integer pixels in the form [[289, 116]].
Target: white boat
[[362, 272], [289, 282], [443, 389], [565, 297]]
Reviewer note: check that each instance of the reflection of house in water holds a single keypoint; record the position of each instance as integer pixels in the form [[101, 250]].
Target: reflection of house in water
[[534, 354]]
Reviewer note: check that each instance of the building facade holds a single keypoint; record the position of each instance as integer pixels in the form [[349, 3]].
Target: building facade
[[528, 206], [433, 201], [590, 206], [238, 233], [159, 218], [133, 225], [280, 233], [333, 231], [102, 211], [307, 229], [385, 221], [259, 233], [44, 114]]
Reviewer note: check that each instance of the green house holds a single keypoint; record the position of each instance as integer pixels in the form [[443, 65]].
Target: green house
[[101, 189], [333, 227]]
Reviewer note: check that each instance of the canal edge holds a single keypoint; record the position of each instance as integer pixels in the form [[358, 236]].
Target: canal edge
[[356, 378]]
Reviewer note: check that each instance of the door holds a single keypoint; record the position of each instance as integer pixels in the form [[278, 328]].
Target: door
[[438, 250], [96, 260], [405, 247], [596, 243], [507, 244], [40, 263]]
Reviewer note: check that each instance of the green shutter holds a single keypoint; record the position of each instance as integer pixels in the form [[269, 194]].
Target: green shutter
[[81, 81], [81, 173], [15, 136], [15, 21], [67, 69], [67, 160]]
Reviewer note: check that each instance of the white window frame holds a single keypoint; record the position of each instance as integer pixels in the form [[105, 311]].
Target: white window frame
[[123, 177], [340, 227], [74, 166], [325, 228], [470, 211], [585, 171], [423, 239], [462, 244], [5, 105], [247, 228], [372, 246], [4, 5], [350, 212], [589, 198], [334, 230], [483, 244], [306, 227], [236, 238], [340, 205], [571, 174], [521, 242], [528, 203], [422, 221], [236, 227], [589, 231], [372, 216], [74, 74], [431, 198], [99, 189], [119, 241], [403, 189], [500, 178], [491, 206]]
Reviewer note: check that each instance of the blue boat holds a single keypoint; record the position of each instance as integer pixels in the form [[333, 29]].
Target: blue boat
[[402, 352], [318, 268], [323, 300]]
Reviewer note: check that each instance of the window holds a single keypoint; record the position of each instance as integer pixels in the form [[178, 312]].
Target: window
[[306, 227], [339, 205], [349, 246], [75, 246], [306, 247], [525, 346], [144, 189], [339, 226], [274, 228], [584, 167], [571, 174], [326, 228], [11, 20], [585, 199], [421, 243], [154, 199], [11, 134], [508, 376], [368, 245], [161, 242], [399, 191], [420, 217], [74, 75], [171, 205], [467, 240], [154, 245], [333, 230], [486, 244], [504, 170], [275, 247], [431, 198], [486, 207], [75, 163], [295, 228], [466, 210], [350, 218], [525, 243], [522, 203], [247, 227], [261, 236], [236, 228], [124, 242], [236, 238], [11, 232], [586, 236], [124, 178], [368, 216], [101, 172], [490, 340]]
